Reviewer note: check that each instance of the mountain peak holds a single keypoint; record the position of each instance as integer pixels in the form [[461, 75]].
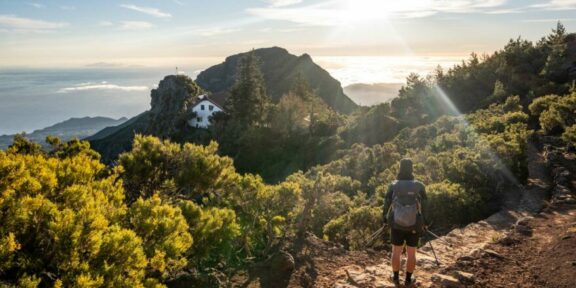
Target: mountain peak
[[279, 69]]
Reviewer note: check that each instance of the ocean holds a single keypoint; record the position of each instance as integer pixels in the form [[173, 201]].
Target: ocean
[[35, 98]]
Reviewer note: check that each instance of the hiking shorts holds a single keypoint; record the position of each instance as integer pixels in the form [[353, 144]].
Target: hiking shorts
[[399, 237]]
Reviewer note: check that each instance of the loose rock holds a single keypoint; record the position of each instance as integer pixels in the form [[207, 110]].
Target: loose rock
[[524, 221], [446, 281], [359, 278], [465, 277], [508, 240], [493, 253], [523, 230], [343, 285]]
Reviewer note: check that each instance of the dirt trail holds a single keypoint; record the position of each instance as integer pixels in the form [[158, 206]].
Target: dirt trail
[[545, 259]]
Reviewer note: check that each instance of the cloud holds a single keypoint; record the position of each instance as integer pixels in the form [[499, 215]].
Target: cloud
[[464, 6], [104, 65], [101, 86], [506, 11], [549, 20], [557, 5], [333, 12], [147, 10], [282, 3], [135, 25], [127, 25], [20, 24], [37, 5]]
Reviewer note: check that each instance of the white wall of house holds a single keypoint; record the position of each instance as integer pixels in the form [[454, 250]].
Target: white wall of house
[[204, 109]]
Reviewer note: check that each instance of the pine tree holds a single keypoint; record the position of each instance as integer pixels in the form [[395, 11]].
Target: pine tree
[[555, 68], [301, 88], [248, 103]]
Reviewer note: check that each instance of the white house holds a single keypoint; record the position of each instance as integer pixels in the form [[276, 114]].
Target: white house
[[204, 109]]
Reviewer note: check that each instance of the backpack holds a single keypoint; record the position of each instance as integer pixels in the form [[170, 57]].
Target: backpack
[[405, 213]]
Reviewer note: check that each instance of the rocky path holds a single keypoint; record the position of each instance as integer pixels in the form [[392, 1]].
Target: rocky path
[[540, 254]]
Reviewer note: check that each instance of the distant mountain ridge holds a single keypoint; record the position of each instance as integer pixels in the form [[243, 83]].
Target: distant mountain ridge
[[66, 130], [279, 69]]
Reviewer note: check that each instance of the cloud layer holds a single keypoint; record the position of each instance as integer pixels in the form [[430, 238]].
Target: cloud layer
[[333, 12], [26, 24], [558, 5], [101, 86], [135, 25]]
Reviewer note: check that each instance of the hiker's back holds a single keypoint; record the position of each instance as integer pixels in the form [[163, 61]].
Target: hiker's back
[[407, 192], [406, 197]]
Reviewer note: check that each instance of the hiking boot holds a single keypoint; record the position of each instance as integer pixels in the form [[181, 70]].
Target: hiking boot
[[411, 283], [396, 282]]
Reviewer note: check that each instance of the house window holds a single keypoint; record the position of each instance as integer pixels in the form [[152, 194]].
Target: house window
[[199, 119], [210, 107], [202, 107]]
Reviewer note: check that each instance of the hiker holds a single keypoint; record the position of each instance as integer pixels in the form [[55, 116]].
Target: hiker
[[403, 212]]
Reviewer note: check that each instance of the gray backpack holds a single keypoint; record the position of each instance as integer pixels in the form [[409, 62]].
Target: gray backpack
[[405, 209]]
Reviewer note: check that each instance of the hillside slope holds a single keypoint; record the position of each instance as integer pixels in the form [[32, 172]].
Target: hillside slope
[[112, 141], [66, 130], [527, 244], [279, 69]]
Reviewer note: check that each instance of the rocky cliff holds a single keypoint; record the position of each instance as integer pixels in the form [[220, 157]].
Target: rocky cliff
[[167, 116], [170, 105], [279, 69]]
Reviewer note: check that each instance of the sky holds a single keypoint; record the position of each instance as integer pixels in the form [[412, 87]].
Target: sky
[[65, 33]]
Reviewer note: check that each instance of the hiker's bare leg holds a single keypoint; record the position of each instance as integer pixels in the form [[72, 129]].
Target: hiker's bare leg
[[396, 253], [411, 263]]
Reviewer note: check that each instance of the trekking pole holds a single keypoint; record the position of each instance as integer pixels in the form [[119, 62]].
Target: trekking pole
[[434, 252], [438, 237], [377, 232], [374, 236]]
